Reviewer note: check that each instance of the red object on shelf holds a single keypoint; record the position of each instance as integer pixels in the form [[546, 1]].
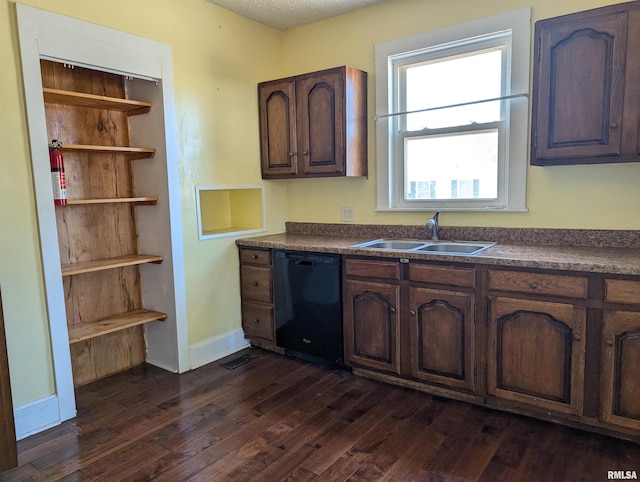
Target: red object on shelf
[[58, 179]]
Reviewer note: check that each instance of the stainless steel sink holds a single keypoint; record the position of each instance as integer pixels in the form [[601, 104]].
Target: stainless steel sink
[[401, 244], [427, 246], [455, 248]]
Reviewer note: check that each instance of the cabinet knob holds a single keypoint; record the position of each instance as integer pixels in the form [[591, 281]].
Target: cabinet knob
[[305, 153], [413, 313], [255, 283], [392, 309], [577, 338], [608, 343], [613, 125], [256, 321], [291, 154], [533, 285], [255, 256]]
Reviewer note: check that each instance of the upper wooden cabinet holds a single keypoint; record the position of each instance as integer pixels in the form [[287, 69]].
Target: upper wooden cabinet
[[314, 125], [585, 71]]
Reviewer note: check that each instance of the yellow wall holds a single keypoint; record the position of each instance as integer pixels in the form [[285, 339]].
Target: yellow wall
[[218, 60], [589, 197]]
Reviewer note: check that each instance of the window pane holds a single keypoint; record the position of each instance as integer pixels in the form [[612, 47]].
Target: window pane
[[454, 80], [455, 166]]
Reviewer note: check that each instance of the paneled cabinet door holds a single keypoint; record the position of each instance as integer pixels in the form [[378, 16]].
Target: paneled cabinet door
[[620, 378], [536, 353], [579, 89], [372, 330], [320, 120], [442, 337], [278, 134]]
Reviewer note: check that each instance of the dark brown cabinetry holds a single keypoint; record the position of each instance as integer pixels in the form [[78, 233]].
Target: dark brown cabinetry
[[373, 330], [536, 347], [409, 320], [256, 290], [586, 105], [620, 356], [314, 125], [442, 325], [371, 318], [536, 353]]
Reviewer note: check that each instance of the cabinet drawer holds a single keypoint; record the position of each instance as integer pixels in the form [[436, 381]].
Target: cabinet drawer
[[255, 256], [538, 283], [447, 275], [256, 284], [372, 269], [257, 321], [622, 291]]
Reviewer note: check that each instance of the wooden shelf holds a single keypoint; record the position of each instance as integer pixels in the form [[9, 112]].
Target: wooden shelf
[[136, 200], [79, 99], [109, 263], [132, 152], [113, 323]]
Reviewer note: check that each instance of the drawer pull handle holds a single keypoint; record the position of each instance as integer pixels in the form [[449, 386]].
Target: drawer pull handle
[[608, 343], [255, 283], [413, 313], [577, 337], [533, 285]]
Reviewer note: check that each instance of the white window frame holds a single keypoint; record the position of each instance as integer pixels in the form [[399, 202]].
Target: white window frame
[[512, 174]]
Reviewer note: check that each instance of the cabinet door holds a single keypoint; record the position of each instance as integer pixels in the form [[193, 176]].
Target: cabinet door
[[278, 138], [579, 88], [371, 325], [320, 104], [536, 353], [442, 337], [620, 382]]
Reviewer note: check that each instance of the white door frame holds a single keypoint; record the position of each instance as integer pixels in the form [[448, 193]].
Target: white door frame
[[45, 35]]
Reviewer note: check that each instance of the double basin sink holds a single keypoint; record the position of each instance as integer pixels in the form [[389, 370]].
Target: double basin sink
[[467, 248]]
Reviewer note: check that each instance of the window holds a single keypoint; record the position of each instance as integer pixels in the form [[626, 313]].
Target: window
[[452, 117]]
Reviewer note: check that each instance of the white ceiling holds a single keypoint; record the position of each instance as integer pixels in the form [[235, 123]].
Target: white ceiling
[[286, 14]]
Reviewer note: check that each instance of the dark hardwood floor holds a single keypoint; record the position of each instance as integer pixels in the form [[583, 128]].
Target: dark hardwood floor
[[282, 419]]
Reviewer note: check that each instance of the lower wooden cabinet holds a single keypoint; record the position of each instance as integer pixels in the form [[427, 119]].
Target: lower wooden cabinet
[[442, 337], [256, 291], [396, 323], [372, 328], [619, 375], [561, 346], [536, 353]]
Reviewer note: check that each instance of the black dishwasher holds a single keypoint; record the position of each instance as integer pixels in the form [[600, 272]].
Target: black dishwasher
[[308, 305]]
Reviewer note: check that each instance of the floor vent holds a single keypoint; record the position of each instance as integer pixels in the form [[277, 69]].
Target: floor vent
[[238, 362]]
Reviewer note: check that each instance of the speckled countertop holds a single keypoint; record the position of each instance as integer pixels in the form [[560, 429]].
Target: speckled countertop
[[613, 252]]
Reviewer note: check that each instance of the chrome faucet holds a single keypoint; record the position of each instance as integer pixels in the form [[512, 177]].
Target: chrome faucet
[[432, 224]]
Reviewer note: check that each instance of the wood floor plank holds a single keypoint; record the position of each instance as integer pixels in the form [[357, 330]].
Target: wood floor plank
[[283, 419], [294, 428]]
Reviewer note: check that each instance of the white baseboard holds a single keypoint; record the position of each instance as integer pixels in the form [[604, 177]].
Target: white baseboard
[[37, 416], [213, 349]]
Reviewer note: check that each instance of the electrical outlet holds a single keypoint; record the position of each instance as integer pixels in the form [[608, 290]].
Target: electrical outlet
[[347, 215]]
